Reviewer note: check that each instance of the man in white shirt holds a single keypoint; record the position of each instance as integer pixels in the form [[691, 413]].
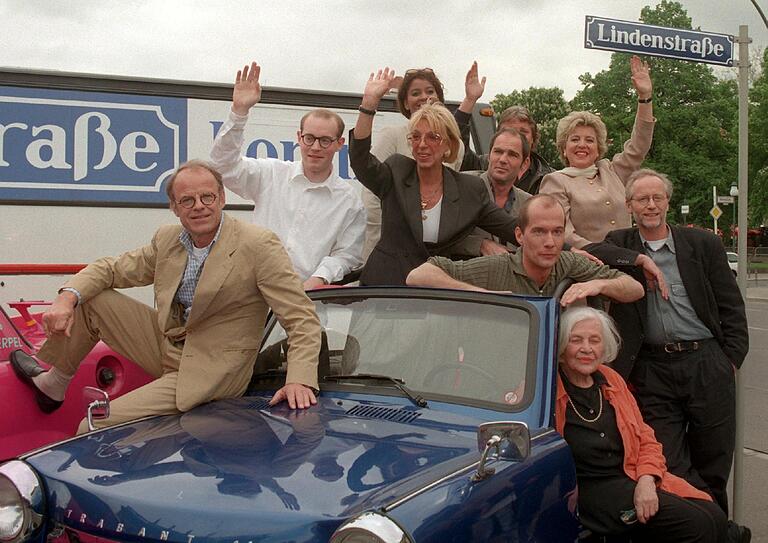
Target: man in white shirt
[[318, 216]]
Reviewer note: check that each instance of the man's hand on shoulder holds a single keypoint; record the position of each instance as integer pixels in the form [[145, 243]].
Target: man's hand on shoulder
[[489, 247], [60, 316], [590, 256], [247, 90], [298, 396]]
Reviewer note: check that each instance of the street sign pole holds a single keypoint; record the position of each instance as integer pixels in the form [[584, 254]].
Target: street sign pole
[[714, 205], [738, 465]]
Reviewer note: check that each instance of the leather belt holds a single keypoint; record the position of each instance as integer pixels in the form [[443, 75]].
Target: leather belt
[[675, 347]]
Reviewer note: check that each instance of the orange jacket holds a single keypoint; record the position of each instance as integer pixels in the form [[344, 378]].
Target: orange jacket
[[642, 453]]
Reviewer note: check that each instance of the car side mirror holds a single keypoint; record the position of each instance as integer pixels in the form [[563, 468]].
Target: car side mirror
[[509, 440], [97, 401]]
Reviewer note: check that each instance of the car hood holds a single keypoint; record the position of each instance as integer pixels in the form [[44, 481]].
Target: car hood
[[237, 470]]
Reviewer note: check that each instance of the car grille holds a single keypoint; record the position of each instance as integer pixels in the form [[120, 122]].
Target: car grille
[[385, 413]]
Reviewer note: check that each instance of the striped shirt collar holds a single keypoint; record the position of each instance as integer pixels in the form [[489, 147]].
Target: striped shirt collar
[[186, 239]]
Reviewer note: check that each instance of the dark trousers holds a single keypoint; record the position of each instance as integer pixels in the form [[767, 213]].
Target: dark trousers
[[679, 520], [689, 399], [683, 520]]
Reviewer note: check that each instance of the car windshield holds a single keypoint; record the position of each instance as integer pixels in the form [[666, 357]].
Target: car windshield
[[459, 351]]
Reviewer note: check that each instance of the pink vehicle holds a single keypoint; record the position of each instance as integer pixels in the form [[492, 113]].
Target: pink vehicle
[[23, 426]]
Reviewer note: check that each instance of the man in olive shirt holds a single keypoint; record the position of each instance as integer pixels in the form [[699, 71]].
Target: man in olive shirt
[[537, 268]]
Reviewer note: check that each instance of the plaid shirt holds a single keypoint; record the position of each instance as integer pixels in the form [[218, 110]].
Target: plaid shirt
[[186, 291]]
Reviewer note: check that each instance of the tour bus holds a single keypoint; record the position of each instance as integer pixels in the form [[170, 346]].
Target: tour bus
[[83, 159]]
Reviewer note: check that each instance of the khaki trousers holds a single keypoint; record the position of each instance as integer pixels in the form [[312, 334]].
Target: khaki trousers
[[130, 328]]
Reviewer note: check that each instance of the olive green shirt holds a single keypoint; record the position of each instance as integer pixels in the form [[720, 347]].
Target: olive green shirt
[[506, 272]]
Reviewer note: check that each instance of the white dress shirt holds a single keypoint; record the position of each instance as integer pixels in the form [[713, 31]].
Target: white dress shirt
[[321, 224]]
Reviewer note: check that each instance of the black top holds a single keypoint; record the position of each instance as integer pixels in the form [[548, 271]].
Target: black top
[[395, 182], [596, 446]]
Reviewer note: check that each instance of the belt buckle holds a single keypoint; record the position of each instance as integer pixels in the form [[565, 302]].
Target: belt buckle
[[672, 348]]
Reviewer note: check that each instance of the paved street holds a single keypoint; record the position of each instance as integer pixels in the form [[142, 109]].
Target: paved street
[[754, 379]]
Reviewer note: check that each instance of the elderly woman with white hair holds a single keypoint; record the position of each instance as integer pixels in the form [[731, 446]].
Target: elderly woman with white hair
[[590, 187], [427, 208], [624, 485]]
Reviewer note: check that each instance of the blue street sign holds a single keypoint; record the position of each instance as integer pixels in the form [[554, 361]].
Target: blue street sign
[[659, 41]]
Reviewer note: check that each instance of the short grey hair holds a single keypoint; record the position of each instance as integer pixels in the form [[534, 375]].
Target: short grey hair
[[573, 316], [194, 164], [647, 172]]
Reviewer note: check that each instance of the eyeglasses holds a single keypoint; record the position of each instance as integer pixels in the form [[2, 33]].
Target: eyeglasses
[[188, 202], [324, 141], [431, 138], [645, 200]]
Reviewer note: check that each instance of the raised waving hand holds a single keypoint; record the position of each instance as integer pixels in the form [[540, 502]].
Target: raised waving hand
[[378, 85], [641, 77], [247, 91]]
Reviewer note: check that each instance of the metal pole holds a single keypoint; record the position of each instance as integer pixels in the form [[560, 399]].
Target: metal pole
[[714, 205], [733, 222], [738, 465]]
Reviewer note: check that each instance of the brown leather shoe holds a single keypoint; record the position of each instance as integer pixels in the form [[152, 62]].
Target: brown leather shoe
[[26, 368]]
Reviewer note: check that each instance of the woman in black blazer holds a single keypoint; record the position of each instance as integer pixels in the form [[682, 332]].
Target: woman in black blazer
[[426, 208]]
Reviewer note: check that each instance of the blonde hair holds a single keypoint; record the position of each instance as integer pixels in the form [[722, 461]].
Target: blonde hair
[[441, 122], [573, 120]]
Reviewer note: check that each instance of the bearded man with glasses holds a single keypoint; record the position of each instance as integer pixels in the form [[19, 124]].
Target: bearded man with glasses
[[317, 215], [215, 278], [682, 347]]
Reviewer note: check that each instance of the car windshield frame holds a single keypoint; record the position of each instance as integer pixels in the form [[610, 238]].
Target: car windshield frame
[[346, 296]]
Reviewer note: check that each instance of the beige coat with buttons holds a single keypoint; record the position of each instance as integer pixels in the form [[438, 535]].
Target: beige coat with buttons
[[594, 207]]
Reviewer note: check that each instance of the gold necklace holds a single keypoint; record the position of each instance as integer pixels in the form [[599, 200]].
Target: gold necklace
[[425, 201], [599, 412]]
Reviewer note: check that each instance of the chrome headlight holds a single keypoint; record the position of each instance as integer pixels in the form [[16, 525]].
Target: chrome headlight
[[21, 502], [370, 528]]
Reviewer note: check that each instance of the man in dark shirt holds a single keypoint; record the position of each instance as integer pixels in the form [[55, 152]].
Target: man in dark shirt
[[680, 354]]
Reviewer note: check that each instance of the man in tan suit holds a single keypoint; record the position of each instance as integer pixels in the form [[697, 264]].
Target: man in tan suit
[[214, 280]]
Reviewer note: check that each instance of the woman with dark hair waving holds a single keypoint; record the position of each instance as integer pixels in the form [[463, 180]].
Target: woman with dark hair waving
[[624, 485], [427, 208]]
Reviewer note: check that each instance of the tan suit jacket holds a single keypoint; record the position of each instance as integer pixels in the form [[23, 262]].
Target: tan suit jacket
[[594, 207], [246, 273]]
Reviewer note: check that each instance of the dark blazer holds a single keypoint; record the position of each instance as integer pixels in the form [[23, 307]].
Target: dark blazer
[[707, 278], [401, 248]]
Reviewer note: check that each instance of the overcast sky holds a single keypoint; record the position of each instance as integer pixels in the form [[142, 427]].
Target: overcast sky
[[333, 44]]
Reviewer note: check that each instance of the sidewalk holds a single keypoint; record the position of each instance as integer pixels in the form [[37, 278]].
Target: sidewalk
[[757, 287]]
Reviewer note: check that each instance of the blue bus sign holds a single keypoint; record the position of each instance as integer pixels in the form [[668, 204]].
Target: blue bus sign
[[659, 41], [88, 146]]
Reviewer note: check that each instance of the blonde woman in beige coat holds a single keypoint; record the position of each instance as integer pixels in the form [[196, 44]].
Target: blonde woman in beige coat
[[591, 188]]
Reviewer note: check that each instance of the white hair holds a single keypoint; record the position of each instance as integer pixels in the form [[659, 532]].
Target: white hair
[[611, 338]]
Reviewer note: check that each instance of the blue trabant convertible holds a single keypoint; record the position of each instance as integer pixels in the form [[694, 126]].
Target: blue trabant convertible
[[434, 424]]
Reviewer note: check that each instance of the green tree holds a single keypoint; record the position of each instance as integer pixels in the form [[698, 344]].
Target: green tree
[[547, 106], [695, 139]]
